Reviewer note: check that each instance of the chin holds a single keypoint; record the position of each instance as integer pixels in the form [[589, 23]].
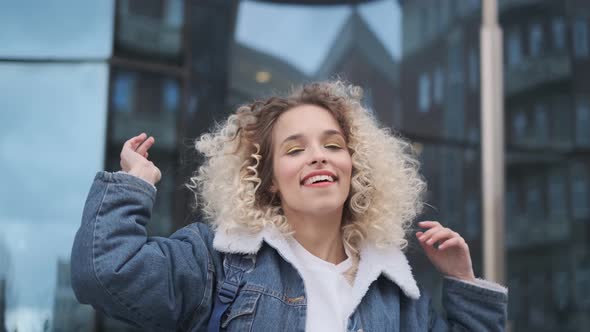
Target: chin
[[318, 208]]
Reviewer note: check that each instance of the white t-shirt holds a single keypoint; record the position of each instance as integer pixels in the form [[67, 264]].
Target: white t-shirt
[[329, 294]]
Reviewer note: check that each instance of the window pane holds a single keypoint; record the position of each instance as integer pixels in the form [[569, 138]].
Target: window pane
[[534, 203], [53, 124], [547, 169], [514, 48], [558, 26], [580, 35], [582, 286], [557, 194], [519, 126], [583, 121], [535, 39], [439, 84], [56, 29], [143, 102], [473, 69], [424, 93], [580, 186], [541, 124], [151, 29]]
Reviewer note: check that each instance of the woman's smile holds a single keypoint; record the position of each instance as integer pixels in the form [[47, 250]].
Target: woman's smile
[[319, 184]]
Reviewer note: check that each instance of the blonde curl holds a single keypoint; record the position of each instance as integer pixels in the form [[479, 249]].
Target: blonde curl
[[386, 188]]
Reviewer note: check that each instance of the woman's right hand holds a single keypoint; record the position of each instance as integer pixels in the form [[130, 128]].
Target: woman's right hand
[[134, 159]]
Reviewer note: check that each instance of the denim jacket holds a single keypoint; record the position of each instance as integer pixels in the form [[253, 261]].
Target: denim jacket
[[168, 284]]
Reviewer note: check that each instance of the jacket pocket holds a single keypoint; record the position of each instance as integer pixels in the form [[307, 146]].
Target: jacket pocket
[[240, 314]]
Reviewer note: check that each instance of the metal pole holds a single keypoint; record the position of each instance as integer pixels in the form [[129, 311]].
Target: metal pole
[[492, 145]]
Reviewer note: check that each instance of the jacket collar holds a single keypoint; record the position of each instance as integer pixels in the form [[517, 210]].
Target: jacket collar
[[374, 261]]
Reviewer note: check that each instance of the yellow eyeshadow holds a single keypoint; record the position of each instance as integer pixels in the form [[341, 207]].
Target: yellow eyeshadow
[[293, 149], [297, 148]]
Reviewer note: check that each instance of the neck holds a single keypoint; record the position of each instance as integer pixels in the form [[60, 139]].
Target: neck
[[321, 235]]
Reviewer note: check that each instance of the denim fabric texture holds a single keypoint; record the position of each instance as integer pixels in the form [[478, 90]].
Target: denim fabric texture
[[168, 284]]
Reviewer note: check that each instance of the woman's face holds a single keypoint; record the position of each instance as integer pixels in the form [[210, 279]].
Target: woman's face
[[311, 162]]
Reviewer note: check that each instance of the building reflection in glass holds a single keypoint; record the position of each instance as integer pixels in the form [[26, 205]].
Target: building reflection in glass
[[548, 162], [150, 29], [440, 111], [68, 314]]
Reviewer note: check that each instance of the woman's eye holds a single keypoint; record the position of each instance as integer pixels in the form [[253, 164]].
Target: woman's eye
[[333, 146], [293, 151]]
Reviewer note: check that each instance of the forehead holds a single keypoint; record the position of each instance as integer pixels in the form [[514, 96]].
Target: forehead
[[305, 120]]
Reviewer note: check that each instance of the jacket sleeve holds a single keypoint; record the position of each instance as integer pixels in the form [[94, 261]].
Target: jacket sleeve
[[479, 306], [160, 284]]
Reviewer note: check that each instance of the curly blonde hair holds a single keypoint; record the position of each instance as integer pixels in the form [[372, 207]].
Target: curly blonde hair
[[233, 185]]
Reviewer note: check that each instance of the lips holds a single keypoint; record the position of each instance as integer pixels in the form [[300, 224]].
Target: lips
[[316, 176]]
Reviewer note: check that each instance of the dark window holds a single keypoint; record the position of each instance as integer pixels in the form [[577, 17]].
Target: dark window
[[580, 35], [558, 28]]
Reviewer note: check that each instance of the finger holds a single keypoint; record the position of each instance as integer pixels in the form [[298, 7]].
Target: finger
[[452, 242], [430, 232], [128, 154], [146, 155], [429, 250], [142, 149], [158, 175], [428, 224], [443, 234], [136, 141], [133, 142]]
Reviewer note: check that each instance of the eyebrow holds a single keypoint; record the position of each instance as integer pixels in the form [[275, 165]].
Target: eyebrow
[[329, 132]]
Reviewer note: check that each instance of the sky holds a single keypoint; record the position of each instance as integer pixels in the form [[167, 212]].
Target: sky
[[302, 35]]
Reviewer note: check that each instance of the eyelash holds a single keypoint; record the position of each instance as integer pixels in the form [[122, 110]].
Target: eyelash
[[327, 146]]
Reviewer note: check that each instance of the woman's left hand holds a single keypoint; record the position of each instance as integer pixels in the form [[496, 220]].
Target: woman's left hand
[[451, 257]]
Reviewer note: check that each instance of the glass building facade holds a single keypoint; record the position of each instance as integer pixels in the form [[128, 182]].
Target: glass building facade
[[77, 80], [547, 124]]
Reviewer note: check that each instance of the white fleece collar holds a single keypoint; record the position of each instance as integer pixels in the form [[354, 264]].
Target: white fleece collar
[[374, 261]]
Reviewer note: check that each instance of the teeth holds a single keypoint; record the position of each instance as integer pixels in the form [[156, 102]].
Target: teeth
[[317, 178]]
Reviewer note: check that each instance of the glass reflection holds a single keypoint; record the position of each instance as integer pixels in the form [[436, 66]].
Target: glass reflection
[[547, 164], [64, 29], [151, 28], [307, 33], [150, 103], [53, 124]]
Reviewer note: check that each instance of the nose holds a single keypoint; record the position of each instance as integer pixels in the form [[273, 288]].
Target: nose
[[318, 156]]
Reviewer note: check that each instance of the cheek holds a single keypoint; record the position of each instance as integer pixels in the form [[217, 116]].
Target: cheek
[[285, 171], [345, 164]]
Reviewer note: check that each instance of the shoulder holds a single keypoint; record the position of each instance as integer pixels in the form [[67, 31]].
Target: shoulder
[[197, 229], [200, 236]]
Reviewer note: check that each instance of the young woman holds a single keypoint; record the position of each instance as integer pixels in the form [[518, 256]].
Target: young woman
[[309, 202]]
